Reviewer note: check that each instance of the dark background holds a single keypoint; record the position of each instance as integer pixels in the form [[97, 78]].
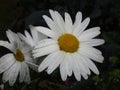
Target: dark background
[[18, 14]]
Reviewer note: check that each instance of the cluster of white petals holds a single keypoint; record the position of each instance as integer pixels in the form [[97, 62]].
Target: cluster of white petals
[[68, 45]]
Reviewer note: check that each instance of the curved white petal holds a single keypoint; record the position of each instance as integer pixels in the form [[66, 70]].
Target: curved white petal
[[63, 70], [34, 33], [27, 74], [14, 73], [51, 24], [68, 62], [47, 32], [32, 66], [26, 39], [67, 65], [6, 61], [89, 48], [76, 69], [95, 42], [84, 70], [6, 44], [5, 77], [22, 72], [45, 50], [37, 36], [47, 61], [91, 65], [78, 19], [13, 37], [93, 54], [60, 57], [68, 23], [89, 34], [81, 27], [58, 20], [45, 42], [28, 36], [25, 48]]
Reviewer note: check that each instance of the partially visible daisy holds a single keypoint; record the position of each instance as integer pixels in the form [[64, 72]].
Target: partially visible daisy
[[33, 38], [17, 62], [69, 47]]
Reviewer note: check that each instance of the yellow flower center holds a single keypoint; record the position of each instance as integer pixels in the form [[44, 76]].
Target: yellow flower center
[[19, 55], [68, 43]]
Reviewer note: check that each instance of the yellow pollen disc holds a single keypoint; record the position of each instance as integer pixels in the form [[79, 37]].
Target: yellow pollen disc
[[19, 55], [68, 43]]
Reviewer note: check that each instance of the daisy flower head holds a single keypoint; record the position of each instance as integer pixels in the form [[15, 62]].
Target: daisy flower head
[[17, 62], [70, 46], [33, 38]]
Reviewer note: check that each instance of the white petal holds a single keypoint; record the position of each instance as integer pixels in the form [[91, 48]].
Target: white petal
[[28, 57], [95, 42], [85, 76], [13, 37], [45, 42], [6, 44], [45, 50], [26, 49], [58, 20], [60, 57], [90, 48], [5, 77], [47, 61], [76, 69], [34, 33], [27, 75], [14, 73], [63, 71], [22, 72], [32, 66], [26, 40], [10, 35], [68, 23], [6, 61], [83, 73], [78, 19], [52, 25], [89, 34], [47, 32], [68, 62], [91, 65], [28, 36], [81, 27], [52, 13], [93, 54], [96, 51], [84, 70], [8, 75], [41, 36]]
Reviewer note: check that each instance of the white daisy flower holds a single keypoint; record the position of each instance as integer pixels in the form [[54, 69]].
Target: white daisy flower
[[33, 38], [18, 61], [70, 46]]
